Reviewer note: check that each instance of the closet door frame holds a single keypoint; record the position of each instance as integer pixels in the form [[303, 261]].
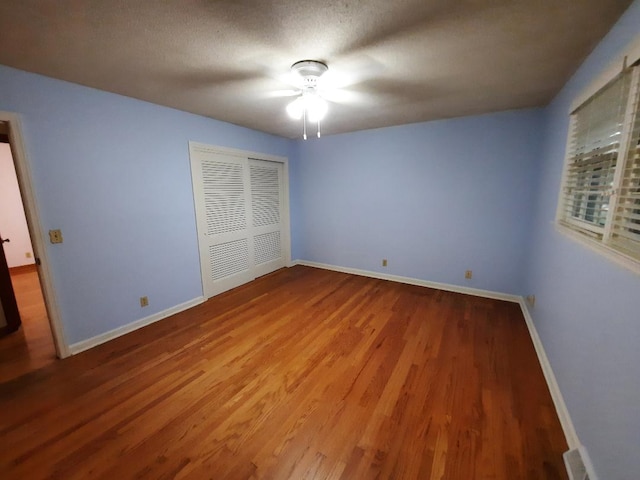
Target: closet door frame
[[197, 193]]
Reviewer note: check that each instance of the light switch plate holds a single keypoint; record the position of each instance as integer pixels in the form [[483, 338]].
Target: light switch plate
[[55, 236]]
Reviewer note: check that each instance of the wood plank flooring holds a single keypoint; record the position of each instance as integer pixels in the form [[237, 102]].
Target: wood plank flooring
[[31, 347], [302, 374]]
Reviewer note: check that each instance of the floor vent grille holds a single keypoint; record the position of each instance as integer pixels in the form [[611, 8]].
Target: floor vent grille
[[574, 460]]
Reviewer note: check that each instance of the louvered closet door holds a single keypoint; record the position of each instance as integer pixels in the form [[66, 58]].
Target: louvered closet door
[[266, 215], [242, 216], [223, 212]]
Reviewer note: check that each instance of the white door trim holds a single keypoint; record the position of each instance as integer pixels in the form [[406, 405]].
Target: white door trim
[[23, 171]]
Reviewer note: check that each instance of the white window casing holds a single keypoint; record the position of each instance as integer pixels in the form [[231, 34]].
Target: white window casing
[[600, 194]]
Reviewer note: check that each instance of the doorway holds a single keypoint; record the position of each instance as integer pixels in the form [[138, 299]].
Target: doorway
[[26, 343], [38, 340]]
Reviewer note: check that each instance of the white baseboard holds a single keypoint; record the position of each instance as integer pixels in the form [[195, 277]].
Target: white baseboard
[[554, 389], [414, 281], [130, 327]]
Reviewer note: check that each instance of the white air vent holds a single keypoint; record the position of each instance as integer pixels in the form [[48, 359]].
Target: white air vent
[[578, 464]]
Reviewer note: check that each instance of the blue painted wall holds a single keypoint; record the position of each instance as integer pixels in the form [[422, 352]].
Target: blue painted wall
[[434, 198], [587, 307], [113, 173]]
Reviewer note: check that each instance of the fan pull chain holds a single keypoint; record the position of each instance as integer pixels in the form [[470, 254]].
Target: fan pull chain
[[304, 123], [318, 128]]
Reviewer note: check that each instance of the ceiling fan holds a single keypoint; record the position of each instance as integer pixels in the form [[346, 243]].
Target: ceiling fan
[[310, 105], [315, 88]]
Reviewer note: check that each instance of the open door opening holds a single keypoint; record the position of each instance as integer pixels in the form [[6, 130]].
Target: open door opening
[[9, 314], [26, 341], [30, 333]]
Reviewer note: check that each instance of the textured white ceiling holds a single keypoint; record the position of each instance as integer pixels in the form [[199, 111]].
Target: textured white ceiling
[[399, 61]]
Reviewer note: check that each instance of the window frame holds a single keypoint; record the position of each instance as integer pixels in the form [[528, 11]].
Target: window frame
[[592, 234]]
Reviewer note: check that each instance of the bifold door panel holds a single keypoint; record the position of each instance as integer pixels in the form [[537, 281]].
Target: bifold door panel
[[266, 207], [239, 203]]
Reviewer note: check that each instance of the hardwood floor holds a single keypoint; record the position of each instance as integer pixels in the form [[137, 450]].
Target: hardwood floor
[[31, 347], [301, 374]]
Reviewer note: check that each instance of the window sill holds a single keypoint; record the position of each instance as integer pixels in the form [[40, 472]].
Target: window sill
[[619, 258]]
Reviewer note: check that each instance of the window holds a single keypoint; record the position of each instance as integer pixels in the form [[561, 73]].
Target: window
[[600, 196]]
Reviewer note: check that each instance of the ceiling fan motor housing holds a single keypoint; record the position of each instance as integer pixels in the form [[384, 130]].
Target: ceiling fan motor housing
[[310, 71]]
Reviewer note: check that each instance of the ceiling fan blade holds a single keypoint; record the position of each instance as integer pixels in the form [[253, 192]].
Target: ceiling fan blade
[[283, 93], [289, 78], [349, 71], [345, 97]]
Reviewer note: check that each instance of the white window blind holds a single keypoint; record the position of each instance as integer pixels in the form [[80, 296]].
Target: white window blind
[[600, 195], [625, 233]]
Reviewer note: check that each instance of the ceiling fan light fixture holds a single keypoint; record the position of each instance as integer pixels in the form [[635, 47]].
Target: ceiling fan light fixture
[[316, 107], [295, 109], [310, 105]]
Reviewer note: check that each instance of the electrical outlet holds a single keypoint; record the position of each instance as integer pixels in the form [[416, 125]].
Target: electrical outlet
[[55, 236], [28, 254], [384, 262], [468, 274], [531, 300], [144, 301]]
